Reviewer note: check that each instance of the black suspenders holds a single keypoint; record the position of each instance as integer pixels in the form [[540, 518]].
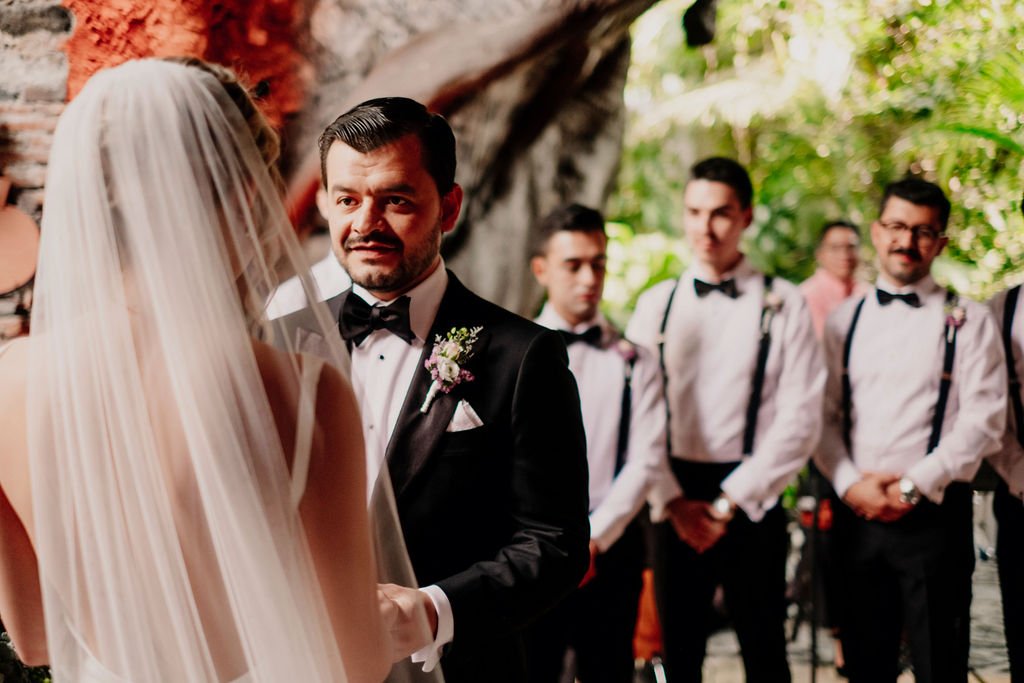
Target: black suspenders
[[1011, 367], [664, 371], [756, 384], [625, 415], [949, 335]]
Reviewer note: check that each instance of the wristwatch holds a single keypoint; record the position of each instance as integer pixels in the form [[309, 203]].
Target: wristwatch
[[908, 492], [723, 508]]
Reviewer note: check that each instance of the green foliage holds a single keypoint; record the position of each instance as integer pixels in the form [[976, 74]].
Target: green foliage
[[825, 103], [11, 668]]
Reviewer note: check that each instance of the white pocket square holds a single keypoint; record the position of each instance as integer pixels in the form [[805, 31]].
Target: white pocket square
[[464, 418]]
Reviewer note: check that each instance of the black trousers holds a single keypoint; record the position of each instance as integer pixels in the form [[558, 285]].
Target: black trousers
[[597, 620], [1009, 511], [749, 562], [913, 573]]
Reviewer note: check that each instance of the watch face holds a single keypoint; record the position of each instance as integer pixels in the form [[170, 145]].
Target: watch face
[[722, 506]]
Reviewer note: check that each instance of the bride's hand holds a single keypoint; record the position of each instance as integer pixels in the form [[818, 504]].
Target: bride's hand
[[409, 616]]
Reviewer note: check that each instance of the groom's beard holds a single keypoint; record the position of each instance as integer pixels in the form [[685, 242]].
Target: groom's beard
[[414, 260]]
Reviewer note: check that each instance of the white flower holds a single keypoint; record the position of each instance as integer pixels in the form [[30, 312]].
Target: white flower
[[450, 349], [773, 300], [447, 369]]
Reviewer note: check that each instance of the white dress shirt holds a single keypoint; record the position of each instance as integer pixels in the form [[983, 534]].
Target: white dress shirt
[[1008, 461], [710, 355], [383, 367], [600, 374], [895, 369]]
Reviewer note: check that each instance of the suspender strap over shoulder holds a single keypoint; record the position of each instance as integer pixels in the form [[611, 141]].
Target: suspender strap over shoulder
[[1011, 367], [625, 415], [847, 405], [661, 363], [757, 383], [947, 374]]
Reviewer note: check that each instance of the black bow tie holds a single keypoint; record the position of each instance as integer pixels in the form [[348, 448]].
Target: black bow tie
[[591, 335], [910, 298], [727, 287], [358, 319]]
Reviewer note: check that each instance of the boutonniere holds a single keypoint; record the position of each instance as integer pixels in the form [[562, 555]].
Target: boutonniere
[[446, 361], [772, 306], [956, 316], [626, 349]]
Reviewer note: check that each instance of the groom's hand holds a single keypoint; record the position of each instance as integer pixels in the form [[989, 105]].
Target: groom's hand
[[409, 616]]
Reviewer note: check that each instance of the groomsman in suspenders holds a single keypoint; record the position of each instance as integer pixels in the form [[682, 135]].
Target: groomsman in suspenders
[[916, 397], [624, 420], [1008, 307], [744, 380]]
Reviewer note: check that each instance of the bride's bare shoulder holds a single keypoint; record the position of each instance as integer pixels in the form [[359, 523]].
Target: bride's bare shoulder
[[14, 364], [278, 366]]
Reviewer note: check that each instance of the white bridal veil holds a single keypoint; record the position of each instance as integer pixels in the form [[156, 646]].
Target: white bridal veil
[[160, 482]]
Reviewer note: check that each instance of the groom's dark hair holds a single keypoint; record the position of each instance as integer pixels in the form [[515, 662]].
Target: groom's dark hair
[[381, 121]]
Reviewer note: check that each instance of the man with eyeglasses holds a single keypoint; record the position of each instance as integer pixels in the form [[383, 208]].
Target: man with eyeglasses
[[835, 280], [915, 398]]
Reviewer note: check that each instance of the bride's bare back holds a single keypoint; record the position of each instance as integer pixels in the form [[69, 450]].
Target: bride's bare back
[[332, 510]]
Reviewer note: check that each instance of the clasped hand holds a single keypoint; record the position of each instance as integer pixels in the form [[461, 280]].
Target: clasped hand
[[409, 616], [695, 523], [877, 497]]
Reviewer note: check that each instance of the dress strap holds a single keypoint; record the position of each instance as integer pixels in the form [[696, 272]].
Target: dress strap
[[311, 367]]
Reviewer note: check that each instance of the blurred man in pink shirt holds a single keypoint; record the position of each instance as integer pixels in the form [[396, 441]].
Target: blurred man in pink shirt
[[838, 256]]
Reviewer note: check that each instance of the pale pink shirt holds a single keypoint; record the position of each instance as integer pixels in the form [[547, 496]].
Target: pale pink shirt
[[600, 374], [895, 369], [710, 355], [823, 291], [1008, 461]]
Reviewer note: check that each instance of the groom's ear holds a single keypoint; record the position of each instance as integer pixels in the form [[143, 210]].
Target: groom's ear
[[321, 202], [451, 204]]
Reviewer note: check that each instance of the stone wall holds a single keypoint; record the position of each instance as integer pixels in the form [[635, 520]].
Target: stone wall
[[33, 90], [533, 89]]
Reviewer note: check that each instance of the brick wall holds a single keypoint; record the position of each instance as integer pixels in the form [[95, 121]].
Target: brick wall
[[33, 87]]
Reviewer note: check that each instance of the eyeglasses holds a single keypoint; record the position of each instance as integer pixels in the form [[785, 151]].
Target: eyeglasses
[[922, 233]]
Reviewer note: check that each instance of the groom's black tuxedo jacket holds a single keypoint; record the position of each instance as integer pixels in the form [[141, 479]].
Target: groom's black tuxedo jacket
[[495, 515]]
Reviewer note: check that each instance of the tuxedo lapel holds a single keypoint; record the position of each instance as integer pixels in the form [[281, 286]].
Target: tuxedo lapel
[[416, 434]]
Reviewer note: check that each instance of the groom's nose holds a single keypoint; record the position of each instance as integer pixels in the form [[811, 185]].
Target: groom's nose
[[366, 219]]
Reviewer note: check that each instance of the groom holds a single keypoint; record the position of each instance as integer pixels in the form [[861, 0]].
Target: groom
[[490, 474]]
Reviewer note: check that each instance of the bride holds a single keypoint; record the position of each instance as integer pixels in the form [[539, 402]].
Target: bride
[[170, 509]]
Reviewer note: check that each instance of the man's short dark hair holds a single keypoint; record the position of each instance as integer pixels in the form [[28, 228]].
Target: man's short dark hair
[[836, 225], [920, 192], [381, 121], [722, 170], [571, 217]]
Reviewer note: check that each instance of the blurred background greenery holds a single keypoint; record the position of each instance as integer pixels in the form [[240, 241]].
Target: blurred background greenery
[[825, 101]]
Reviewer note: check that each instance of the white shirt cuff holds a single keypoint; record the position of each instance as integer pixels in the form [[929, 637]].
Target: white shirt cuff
[[930, 478], [430, 655], [845, 476]]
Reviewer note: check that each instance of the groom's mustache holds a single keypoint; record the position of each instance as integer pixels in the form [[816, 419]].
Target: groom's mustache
[[374, 239]]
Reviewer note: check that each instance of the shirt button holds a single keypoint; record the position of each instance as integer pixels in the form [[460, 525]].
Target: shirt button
[[382, 356]]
